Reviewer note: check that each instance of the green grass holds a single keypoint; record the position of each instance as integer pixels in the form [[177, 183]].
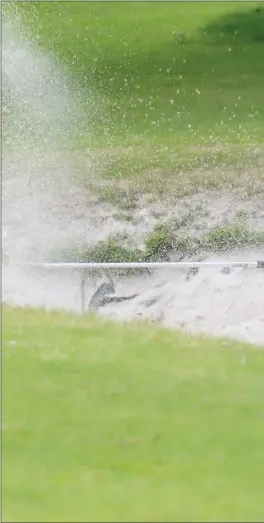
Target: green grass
[[129, 54], [156, 99], [105, 422]]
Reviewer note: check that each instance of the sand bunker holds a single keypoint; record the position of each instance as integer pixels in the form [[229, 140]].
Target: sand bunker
[[211, 302]]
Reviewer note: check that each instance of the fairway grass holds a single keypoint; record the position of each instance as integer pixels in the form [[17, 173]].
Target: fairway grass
[[151, 83], [167, 88], [115, 422]]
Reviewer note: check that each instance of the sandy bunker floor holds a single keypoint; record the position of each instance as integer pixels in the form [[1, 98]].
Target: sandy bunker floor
[[211, 302]]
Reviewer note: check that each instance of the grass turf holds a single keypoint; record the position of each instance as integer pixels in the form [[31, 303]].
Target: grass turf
[[105, 422], [166, 86], [157, 86]]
